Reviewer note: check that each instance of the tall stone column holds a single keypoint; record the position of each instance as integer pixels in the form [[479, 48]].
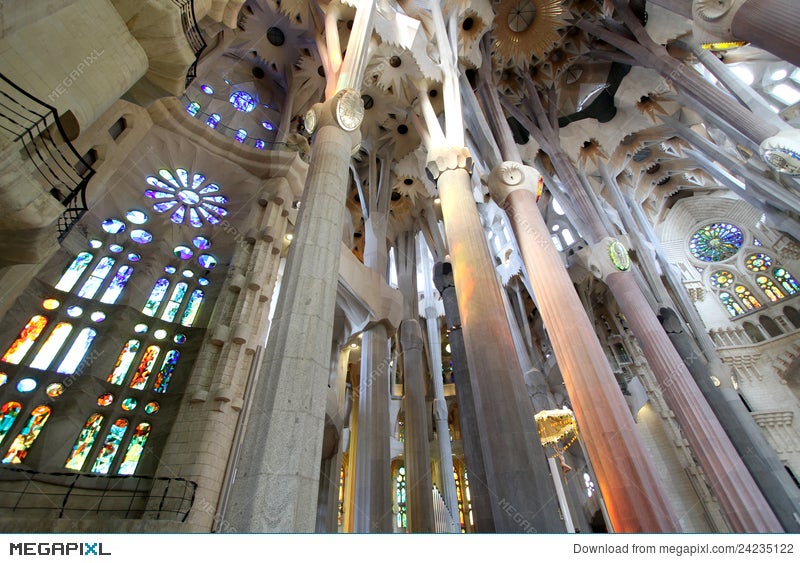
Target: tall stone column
[[769, 24], [629, 482], [417, 458], [277, 477], [517, 475], [481, 501], [373, 494]]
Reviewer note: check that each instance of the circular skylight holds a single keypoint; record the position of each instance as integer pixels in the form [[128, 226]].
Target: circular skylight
[[243, 101]]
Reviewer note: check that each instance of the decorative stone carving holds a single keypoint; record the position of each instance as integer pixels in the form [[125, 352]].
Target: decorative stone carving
[[447, 158], [782, 152], [608, 256], [713, 19]]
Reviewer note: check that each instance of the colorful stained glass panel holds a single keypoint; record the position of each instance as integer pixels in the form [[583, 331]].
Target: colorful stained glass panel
[[25, 439], [77, 351], [51, 346], [135, 449], [164, 374], [84, 443], [8, 414], [174, 302], [124, 361], [758, 262], [73, 273], [190, 313], [145, 368], [110, 446], [786, 279], [26, 339], [156, 297], [114, 289], [96, 278], [715, 242]]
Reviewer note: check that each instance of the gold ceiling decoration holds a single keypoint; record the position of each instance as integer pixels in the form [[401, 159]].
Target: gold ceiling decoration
[[526, 28], [558, 429]]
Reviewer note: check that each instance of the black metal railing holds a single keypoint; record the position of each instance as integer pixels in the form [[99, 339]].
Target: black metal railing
[[36, 127], [72, 495], [193, 35]]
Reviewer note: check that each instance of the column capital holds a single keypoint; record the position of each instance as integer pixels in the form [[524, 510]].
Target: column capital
[[510, 176], [447, 158], [712, 20], [344, 110], [782, 151], [608, 256]]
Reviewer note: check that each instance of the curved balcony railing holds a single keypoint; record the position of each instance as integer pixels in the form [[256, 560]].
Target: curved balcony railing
[[36, 128], [193, 35], [71, 495]]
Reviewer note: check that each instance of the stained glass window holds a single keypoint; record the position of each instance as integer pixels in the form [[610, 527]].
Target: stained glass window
[[51, 346], [189, 315], [206, 261], [3, 378], [141, 236], [243, 101], [113, 226], [174, 302], [241, 135], [25, 439], [193, 108], [8, 415], [786, 280], [400, 497], [758, 262], [98, 316], [188, 200], [260, 144], [156, 297], [73, 273], [464, 499], [106, 456], [124, 361], [26, 385], [160, 334], [746, 297], [114, 289], [733, 307], [96, 278], [135, 449], [721, 279], [51, 304], [145, 368], [77, 351], [129, 403], [165, 373], [55, 390], [105, 399], [213, 120], [84, 443], [201, 242], [716, 242], [151, 407], [207, 89], [26, 339], [74, 311], [770, 289], [136, 217], [183, 252]]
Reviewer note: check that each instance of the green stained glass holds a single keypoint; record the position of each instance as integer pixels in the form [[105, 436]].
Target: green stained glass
[[145, 368], [191, 309], [124, 361], [73, 273], [721, 279], [84, 443], [135, 449], [786, 279], [400, 498], [715, 242], [8, 415], [156, 297], [129, 404], [746, 297], [96, 278], [758, 262], [109, 450], [174, 302], [25, 439], [732, 306], [26, 339], [769, 288]]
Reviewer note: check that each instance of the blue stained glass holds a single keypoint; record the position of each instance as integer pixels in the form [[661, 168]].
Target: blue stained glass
[[124, 361], [213, 120], [156, 183], [113, 226], [136, 217], [154, 194], [96, 278], [177, 217], [166, 206], [164, 374], [209, 189], [203, 281], [241, 135], [170, 269], [243, 101], [191, 309], [94, 243], [135, 449], [26, 385], [183, 176], [51, 346], [84, 443], [194, 218], [201, 243], [74, 271], [267, 125], [787, 280], [193, 108], [8, 415], [207, 261], [260, 145], [156, 297], [715, 242], [174, 302], [207, 89], [114, 289], [115, 248], [133, 257], [74, 311], [197, 180], [216, 199], [77, 351], [214, 208], [141, 236], [183, 252], [167, 175], [25, 439], [109, 450]]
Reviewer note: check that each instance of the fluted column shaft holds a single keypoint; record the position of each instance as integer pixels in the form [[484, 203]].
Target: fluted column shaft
[[417, 458], [635, 499], [771, 25], [277, 478], [517, 475]]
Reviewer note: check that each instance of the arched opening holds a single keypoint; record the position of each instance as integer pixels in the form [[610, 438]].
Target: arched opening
[[753, 332], [793, 315], [769, 325]]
